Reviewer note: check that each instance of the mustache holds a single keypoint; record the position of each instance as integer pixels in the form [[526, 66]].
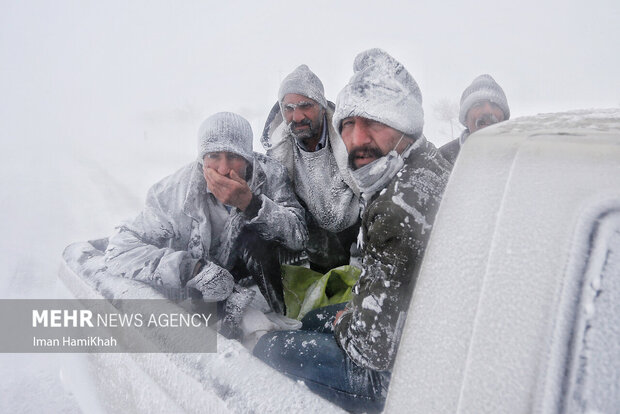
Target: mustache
[[486, 120], [365, 151], [303, 122]]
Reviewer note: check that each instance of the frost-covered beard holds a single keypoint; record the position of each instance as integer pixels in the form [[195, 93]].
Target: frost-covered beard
[[305, 136], [375, 175], [365, 151], [485, 120]]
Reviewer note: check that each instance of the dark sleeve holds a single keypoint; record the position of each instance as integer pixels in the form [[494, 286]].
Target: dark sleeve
[[450, 150], [396, 233]]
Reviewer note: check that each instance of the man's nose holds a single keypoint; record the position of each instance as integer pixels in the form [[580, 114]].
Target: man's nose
[[360, 135], [298, 115], [223, 167]]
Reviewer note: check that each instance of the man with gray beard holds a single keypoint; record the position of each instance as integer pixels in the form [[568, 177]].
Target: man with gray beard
[[401, 177], [299, 133]]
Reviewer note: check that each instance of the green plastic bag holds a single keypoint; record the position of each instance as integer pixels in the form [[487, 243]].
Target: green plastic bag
[[305, 289]]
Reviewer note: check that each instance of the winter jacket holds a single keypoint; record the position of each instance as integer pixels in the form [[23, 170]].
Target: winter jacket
[[396, 225], [451, 150], [322, 182], [163, 244]]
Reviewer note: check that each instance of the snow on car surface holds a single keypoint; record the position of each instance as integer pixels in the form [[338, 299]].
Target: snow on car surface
[[502, 318]]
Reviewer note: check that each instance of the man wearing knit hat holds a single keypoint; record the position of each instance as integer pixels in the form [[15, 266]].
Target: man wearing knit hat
[[215, 221], [299, 134], [483, 103], [401, 177]]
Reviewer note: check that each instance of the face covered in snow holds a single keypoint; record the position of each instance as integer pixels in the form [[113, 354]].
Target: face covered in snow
[[482, 114], [367, 140], [304, 118]]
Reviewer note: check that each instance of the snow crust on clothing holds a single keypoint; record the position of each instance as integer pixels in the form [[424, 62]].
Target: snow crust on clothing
[[164, 242], [213, 282], [419, 217], [375, 176], [230, 380], [321, 179], [323, 184], [381, 89], [302, 81], [227, 132], [395, 228]]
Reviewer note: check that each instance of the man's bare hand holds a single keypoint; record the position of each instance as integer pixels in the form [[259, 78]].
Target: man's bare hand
[[233, 191]]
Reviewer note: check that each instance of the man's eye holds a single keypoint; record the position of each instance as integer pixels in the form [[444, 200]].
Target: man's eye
[[304, 105], [347, 123], [375, 125], [289, 108]]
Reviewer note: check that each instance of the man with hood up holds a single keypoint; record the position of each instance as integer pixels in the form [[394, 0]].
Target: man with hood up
[[483, 103], [299, 133], [401, 177], [217, 220]]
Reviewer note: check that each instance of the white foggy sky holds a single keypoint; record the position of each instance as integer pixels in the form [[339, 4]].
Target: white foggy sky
[[114, 91], [100, 99], [100, 75], [69, 67]]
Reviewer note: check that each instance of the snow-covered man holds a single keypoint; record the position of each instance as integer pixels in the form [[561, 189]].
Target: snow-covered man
[[220, 218], [483, 103], [401, 177], [299, 134]]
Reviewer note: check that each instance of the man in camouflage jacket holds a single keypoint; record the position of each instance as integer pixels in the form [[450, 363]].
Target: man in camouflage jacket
[[396, 225], [401, 177]]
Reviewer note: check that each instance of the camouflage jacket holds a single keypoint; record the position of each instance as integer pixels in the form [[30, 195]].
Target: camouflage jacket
[[396, 225]]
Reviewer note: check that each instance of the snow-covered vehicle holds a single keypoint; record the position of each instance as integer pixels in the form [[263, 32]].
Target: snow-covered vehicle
[[516, 309], [231, 380]]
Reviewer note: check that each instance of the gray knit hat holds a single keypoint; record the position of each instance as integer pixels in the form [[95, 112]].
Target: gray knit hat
[[381, 89], [483, 88], [225, 131], [302, 81]]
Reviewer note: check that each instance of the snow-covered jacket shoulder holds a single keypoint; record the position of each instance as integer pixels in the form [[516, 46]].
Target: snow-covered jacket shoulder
[[278, 143], [164, 242], [321, 179], [396, 225]]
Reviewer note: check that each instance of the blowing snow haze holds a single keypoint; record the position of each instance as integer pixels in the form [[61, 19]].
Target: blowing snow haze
[[102, 99]]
